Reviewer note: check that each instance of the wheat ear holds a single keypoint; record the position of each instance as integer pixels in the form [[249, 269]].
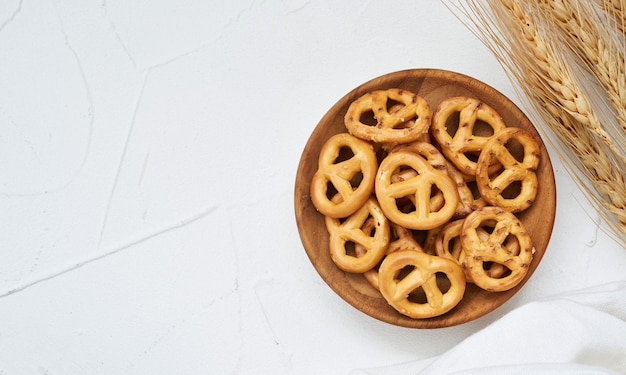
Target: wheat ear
[[514, 35]]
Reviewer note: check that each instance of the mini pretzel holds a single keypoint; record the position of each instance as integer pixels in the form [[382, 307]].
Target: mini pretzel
[[464, 145], [353, 230], [480, 252], [341, 174], [448, 245], [402, 239], [420, 187], [398, 291], [399, 125], [492, 186]]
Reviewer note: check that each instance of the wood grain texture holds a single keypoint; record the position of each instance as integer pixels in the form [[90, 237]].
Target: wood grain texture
[[434, 86]]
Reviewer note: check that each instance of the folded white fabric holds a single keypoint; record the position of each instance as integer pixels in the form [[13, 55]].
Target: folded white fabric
[[579, 332]]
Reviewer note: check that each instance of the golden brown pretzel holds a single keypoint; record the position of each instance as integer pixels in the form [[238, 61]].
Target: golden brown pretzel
[[394, 124], [341, 175], [448, 245], [420, 187], [464, 145], [501, 225], [353, 230], [492, 186], [400, 290]]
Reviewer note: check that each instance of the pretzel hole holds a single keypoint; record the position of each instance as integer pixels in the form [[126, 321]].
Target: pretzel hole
[[516, 149], [345, 153], [513, 190], [511, 245], [488, 227], [356, 180], [418, 296], [404, 272], [473, 187], [368, 118], [405, 205], [452, 123], [420, 236], [350, 249], [331, 191], [482, 129], [472, 156]]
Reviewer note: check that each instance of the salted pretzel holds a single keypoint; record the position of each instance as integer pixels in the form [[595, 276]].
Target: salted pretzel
[[465, 144], [401, 239], [402, 292], [493, 186], [420, 187], [494, 248], [448, 245], [341, 174], [353, 230], [400, 125]]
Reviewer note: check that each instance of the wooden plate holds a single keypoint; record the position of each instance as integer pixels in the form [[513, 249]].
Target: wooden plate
[[434, 86]]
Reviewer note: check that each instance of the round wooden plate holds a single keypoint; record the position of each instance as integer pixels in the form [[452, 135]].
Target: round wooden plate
[[434, 86]]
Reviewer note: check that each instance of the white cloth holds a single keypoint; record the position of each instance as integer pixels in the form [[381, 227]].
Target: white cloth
[[578, 332]]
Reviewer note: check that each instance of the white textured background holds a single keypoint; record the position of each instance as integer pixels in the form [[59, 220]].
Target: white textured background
[[148, 152]]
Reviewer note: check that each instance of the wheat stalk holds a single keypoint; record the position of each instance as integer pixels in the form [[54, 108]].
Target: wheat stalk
[[517, 35]]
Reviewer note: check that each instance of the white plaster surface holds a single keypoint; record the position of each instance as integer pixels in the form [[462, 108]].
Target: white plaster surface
[[148, 152]]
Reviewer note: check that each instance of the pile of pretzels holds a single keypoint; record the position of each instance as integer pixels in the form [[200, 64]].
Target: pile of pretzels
[[421, 203]]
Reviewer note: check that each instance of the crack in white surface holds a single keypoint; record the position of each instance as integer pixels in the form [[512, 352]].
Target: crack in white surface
[[90, 110], [12, 16], [117, 35], [121, 161], [181, 224], [285, 355]]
